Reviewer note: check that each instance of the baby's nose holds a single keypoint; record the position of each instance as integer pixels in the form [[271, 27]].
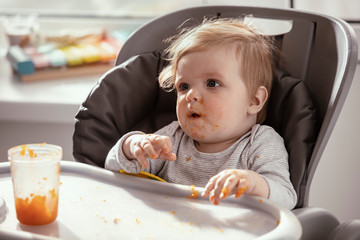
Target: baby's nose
[[194, 95]]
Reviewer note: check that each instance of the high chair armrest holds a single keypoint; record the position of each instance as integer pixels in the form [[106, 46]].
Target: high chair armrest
[[316, 223], [349, 230]]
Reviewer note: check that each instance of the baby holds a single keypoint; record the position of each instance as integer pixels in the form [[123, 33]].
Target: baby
[[222, 71]]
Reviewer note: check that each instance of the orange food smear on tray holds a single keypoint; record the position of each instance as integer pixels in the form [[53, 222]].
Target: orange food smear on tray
[[36, 211], [117, 220], [194, 192]]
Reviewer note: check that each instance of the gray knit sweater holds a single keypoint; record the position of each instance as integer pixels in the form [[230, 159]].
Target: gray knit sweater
[[261, 150]]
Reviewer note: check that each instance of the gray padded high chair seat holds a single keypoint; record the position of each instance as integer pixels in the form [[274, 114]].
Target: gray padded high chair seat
[[310, 86]]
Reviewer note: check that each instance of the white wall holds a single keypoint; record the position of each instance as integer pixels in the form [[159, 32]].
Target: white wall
[[345, 9]]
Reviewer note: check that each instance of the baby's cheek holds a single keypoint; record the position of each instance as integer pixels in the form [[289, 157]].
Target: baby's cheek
[[180, 111], [218, 121], [182, 118]]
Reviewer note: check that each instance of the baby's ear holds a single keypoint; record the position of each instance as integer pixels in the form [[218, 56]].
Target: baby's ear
[[258, 101]]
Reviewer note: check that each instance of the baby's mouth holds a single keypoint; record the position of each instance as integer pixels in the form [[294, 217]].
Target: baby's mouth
[[195, 115]]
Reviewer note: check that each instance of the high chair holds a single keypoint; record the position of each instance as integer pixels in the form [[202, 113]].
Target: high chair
[[314, 74]]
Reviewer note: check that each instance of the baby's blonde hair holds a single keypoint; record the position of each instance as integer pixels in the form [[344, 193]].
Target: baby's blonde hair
[[254, 51]]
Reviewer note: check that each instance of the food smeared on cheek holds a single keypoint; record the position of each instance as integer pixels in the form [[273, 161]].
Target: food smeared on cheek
[[215, 128]]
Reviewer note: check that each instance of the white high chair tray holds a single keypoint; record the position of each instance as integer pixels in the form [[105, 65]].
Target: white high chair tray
[[95, 203]]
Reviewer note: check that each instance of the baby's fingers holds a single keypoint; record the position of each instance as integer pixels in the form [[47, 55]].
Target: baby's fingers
[[148, 148], [241, 188], [164, 146], [220, 189], [158, 147], [170, 157], [228, 187], [210, 186], [140, 156]]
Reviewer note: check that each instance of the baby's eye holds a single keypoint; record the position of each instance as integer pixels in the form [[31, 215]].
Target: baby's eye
[[212, 83], [183, 87]]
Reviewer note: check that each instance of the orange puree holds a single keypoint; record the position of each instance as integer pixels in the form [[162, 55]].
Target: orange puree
[[23, 151], [194, 192], [225, 191], [241, 191], [31, 153], [36, 211]]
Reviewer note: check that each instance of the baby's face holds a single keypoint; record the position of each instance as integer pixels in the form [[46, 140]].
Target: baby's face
[[213, 102]]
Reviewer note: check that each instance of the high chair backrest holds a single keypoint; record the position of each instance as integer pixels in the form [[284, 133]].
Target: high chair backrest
[[319, 55]]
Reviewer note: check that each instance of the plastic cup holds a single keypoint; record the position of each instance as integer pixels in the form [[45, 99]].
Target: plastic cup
[[35, 171], [22, 30]]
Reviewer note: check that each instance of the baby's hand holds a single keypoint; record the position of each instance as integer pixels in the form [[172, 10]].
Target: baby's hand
[[228, 182], [140, 146]]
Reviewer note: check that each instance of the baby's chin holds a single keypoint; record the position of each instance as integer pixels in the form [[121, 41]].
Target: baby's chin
[[202, 137]]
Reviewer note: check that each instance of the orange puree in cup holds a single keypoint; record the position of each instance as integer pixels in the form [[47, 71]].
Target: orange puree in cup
[[37, 211]]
